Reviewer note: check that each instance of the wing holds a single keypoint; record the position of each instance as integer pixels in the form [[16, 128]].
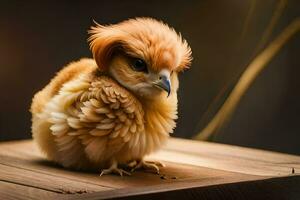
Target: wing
[[100, 114]]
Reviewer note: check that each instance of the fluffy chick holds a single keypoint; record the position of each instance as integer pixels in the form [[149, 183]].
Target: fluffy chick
[[118, 107]]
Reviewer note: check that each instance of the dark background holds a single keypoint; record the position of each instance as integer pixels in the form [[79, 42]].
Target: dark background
[[38, 38]]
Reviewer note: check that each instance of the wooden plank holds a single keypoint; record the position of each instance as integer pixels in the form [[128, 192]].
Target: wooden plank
[[282, 188], [229, 158], [191, 166], [172, 173], [30, 159], [20, 149], [198, 153], [44, 181], [11, 191]]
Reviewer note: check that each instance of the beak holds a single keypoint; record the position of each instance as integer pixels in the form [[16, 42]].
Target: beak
[[164, 83]]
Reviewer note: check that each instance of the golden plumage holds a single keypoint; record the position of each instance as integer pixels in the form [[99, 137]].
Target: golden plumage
[[102, 112]]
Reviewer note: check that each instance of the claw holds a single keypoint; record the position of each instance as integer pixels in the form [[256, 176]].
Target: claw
[[152, 165], [113, 169], [158, 163]]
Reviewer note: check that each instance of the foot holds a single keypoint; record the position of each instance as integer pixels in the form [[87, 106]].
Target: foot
[[151, 165], [113, 169]]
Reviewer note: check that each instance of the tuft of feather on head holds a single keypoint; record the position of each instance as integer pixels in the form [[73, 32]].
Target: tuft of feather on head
[[157, 43]]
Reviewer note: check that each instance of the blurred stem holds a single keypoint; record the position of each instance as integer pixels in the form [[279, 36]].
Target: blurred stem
[[228, 86], [249, 16], [246, 79], [281, 4]]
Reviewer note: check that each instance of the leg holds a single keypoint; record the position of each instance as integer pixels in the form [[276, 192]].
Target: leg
[[152, 165], [114, 169]]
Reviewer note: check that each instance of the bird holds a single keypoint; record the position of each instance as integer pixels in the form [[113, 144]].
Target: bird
[[109, 111]]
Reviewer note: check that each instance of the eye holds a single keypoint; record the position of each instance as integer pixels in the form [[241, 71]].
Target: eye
[[139, 65]]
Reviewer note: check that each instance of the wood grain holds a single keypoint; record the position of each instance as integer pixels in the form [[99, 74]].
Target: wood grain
[[56, 184], [11, 191], [229, 158], [192, 166], [282, 188]]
